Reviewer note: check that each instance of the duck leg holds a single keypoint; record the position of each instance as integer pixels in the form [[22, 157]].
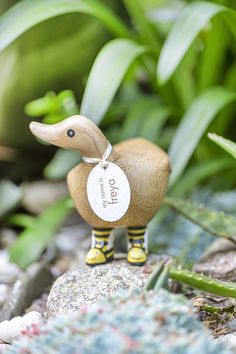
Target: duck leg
[[101, 251], [137, 245]]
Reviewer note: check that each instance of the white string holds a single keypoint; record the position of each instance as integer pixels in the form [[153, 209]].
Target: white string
[[103, 161]]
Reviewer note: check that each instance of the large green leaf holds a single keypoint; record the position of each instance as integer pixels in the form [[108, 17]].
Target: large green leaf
[[10, 197], [142, 24], [105, 77], [216, 223], [216, 41], [200, 172], [191, 21], [226, 144], [193, 125], [28, 13], [35, 238]]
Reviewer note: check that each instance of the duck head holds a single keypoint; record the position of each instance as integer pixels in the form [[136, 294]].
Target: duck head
[[75, 133]]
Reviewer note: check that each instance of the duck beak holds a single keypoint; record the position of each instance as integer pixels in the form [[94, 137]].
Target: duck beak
[[43, 131]]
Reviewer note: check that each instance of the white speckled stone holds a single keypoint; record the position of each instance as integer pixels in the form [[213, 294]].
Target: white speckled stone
[[83, 286]]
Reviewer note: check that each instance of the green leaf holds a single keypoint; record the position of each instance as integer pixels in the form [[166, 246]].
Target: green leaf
[[193, 125], [216, 223], [22, 220], [202, 282], [28, 13], [146, 30], [33, 240], [199, 172], [209, 72], [192, 20], [10, 197], [62, 162], [226, 144], [136, 116], [54, 107], [154, 276], [185, 93], [106, 75], [145, 118], [153, 123]]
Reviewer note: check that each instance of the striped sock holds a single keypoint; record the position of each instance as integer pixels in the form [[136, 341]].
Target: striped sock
[[100, 239], [136, 237]]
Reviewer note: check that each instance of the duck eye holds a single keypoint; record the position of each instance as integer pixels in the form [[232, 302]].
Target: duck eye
[[70, 133]]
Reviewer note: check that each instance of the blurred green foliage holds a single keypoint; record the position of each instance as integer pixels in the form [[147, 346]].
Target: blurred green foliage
[[167, 72], [168, 76], [38, 232]]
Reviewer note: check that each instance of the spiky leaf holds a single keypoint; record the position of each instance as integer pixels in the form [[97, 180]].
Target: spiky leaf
[[216, 223]]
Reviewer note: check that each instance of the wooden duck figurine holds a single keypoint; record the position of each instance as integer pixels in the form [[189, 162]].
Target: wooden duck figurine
[[144, 164]]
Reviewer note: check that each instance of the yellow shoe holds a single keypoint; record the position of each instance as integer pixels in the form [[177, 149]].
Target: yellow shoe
[[96, 256], [137, 256]]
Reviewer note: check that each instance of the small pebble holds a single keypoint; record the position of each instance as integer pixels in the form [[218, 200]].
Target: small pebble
[[9, 272], [4, 289]]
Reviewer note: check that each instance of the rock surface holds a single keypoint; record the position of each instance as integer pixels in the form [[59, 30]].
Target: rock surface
[[219, 261], [83, 286], [9, 272], [29, 285]]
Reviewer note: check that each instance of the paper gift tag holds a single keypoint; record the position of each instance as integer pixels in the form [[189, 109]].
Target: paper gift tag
[[108, 192]]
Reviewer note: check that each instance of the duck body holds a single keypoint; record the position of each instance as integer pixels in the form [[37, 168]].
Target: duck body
[[146, 167]]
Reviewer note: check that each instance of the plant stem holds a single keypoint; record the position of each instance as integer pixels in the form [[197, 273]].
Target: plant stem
[[203, 282]]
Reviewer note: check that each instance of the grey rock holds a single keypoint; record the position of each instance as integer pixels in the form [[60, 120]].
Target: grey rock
[[7, 237], [39, 305], [73, 237], [29, 285], [39, 195], [221, 245], [219, 261], [4, 289], [83, 286], [9, 272]]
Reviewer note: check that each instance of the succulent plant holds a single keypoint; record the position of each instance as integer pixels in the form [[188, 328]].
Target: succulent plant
[[135, 323]]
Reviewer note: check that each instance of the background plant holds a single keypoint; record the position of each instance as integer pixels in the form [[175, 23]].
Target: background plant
[[167, 78]]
